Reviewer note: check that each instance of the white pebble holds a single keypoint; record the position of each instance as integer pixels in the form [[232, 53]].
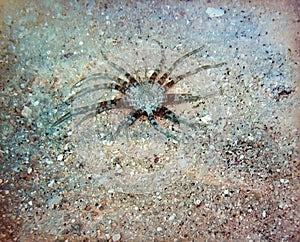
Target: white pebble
[[47, 161], [29, 170], [172, 217], [226, 192], [26, 112], [214, 12], [111, 191], [51, 183], [60, 157], [198, 202], [206, 119], [116, 237], [284, 181]]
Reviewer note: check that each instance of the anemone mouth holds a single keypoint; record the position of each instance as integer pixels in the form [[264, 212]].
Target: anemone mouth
[[146, 96]]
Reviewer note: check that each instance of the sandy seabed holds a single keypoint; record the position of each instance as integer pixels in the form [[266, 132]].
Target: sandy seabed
[[232, 177]]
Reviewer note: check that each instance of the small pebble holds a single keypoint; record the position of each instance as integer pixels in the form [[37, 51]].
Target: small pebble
[[197, 202], [21, 27], [284, 181], [47, 161], [159, 229], [206, 119], [29, 170], [111, 191], [226, 192], [26, 112], [172, 217], [60, 157], [214, 12], [50, 184], [116, 237]]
